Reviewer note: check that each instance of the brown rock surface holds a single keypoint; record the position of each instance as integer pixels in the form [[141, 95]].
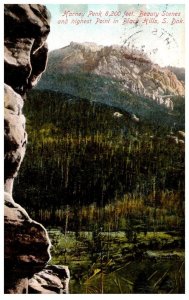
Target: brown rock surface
[[26, 29], [15, 136], [52, 280], [26, 245], [26, 242]]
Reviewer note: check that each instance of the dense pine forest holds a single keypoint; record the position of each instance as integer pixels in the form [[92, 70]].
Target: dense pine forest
[[109, 186], [83, 161]]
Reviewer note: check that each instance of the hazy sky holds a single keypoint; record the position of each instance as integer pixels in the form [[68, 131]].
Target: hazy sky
[[163, 42]]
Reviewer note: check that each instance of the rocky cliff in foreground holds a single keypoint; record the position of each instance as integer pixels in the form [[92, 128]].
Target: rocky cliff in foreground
[[27, 245]]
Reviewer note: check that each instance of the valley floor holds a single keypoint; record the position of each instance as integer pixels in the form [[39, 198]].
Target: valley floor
[[116, 262]]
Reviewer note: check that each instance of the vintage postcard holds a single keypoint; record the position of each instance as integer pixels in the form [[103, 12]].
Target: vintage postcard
[[94, 148]]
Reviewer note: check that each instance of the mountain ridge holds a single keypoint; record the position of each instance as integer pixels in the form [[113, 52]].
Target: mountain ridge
[[133, 68], [116, 76]]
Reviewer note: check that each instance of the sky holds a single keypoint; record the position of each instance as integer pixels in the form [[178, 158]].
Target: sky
[[162, 42]]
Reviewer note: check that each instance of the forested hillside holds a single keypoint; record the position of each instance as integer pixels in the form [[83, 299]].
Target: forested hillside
[[81, 153]]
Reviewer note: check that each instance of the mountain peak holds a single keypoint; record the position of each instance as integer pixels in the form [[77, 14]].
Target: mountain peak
[[86, 45], [109, 74]]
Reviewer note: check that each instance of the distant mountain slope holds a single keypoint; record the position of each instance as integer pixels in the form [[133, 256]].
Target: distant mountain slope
[[118, 77], [179, 72], [134, 70]]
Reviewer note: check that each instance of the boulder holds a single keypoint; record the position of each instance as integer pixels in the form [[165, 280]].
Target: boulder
[[181, 134], [53, 279]]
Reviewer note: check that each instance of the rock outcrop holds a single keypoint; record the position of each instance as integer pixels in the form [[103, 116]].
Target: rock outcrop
[[52, 280], [25, 56], [15, 136], [133, 69], [27, 244], [26, 247]]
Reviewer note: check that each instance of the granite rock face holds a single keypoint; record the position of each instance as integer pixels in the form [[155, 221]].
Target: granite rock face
[[27, 244], [52, 280], [15, 136], [134, 70], [25, 51]]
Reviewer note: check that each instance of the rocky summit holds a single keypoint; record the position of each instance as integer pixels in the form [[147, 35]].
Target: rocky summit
[[132, 69]]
